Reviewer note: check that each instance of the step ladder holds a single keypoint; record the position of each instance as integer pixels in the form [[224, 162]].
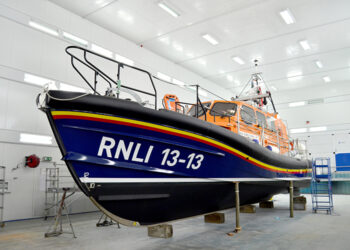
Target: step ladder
[[56, 228], [321, 185]]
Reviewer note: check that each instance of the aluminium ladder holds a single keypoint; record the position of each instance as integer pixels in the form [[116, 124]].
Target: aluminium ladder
[[3, 188], [321, 185], [51, 191]]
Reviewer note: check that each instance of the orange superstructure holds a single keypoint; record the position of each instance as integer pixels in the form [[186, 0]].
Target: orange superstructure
[[251, 122]]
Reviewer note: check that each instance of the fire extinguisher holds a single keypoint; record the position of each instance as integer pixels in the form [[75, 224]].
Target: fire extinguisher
[[32, 161]]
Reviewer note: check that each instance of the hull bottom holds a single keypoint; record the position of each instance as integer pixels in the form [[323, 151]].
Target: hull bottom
[[155, 203]]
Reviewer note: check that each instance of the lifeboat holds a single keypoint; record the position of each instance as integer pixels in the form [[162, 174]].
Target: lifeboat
[[145, 166]]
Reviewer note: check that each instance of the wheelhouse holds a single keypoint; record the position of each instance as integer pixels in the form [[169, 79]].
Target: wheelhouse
[[256, 125]]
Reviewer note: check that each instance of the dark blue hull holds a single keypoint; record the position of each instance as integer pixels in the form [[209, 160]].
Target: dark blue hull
[[140, 170]]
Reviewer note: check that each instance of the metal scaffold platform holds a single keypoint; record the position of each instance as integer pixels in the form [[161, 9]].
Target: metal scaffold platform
[[321, 185], [55, 182]]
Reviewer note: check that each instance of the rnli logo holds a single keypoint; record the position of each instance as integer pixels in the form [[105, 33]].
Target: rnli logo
[[123, 150], [131, 151]]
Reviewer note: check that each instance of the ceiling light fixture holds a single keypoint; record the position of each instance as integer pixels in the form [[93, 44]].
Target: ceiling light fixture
[[238, 60], [43, 28], [326, 79], [165, 40], [75, 38], [191, 87], [37, 80], [229, 78], [296, 104], [37, 139], [295, 75], [71, 88], [210, 39], [202, 61], [178, 82], [163, 77], [319, 64], [124, 59], [178, 47], [101, 50], [287, 16], [168, 9], [298, 130], [317, 129], [125, 16], [305, 44]]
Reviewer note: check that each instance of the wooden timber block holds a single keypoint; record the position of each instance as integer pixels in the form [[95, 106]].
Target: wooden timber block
[[248, 209], [217, 218], [299, 203], [160, 231], [266, 204]]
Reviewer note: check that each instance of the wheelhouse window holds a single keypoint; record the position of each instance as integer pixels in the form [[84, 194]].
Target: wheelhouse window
[[224, 109], [271, 123], [192, 111], [261, 119], [248, 115]]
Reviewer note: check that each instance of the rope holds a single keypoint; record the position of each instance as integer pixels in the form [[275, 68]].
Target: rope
[[46, 91]]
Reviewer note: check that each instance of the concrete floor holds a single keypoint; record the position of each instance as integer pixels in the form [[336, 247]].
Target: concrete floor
[[267, 229]]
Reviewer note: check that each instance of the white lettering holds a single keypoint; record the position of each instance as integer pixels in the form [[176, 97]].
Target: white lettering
[[134, 156], [108, 148], [125, 151], [148, 155]]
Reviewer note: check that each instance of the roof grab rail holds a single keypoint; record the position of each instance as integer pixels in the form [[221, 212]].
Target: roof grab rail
[[84, 60]]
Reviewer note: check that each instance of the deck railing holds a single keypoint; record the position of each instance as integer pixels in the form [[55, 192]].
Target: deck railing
[[85, 57]]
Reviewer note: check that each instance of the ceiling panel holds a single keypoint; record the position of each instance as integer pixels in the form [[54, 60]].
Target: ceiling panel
[[325, 42], [249, 29], [119, 18], [83, 7]]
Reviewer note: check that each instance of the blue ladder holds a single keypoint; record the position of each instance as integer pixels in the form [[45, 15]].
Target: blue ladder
[[321, 185]]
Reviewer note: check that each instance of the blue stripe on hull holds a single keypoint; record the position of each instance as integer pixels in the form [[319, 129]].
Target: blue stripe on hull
[[82, 140]]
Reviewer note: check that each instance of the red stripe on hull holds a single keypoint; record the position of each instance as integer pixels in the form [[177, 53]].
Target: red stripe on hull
[[170, 133]]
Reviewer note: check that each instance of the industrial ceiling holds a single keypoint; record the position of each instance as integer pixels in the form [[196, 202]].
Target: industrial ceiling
[[298, 44]]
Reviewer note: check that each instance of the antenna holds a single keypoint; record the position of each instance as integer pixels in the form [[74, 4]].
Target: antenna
[[256, 96]]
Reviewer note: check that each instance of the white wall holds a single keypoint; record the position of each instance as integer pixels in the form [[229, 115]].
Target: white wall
[[26, 50], [332, 113], [325, 114], [327, 144]]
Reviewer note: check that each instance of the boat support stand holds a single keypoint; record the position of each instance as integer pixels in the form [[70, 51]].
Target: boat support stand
[[105, 221], [238, 227], [291, 201]]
